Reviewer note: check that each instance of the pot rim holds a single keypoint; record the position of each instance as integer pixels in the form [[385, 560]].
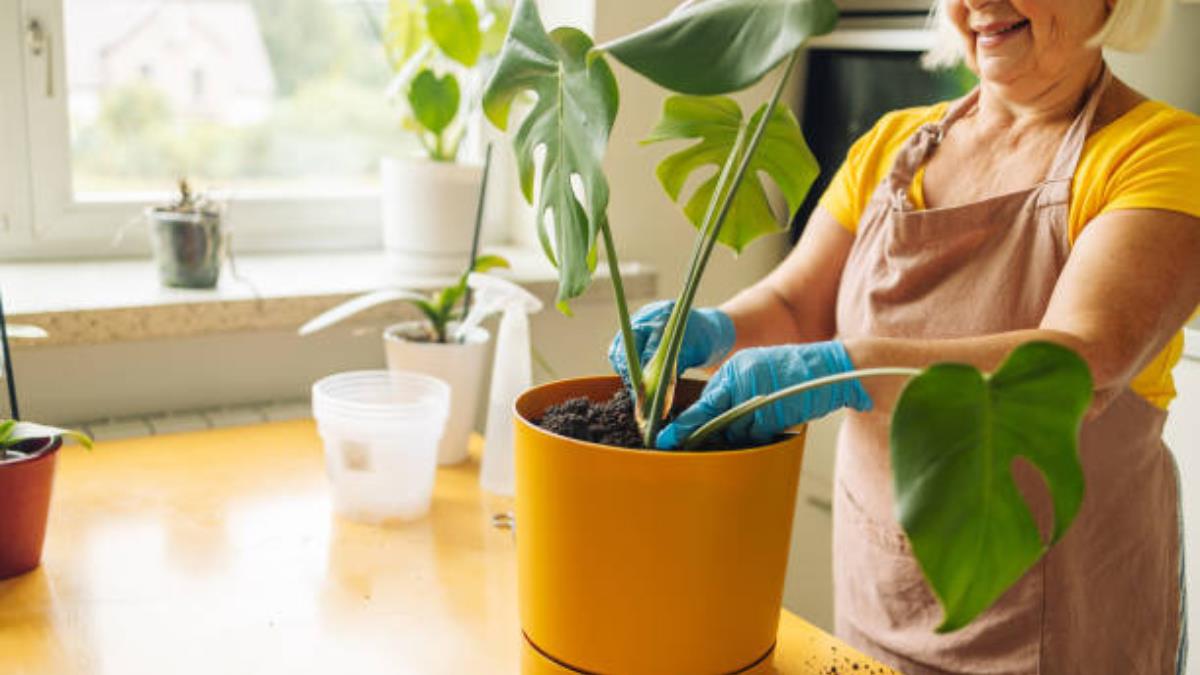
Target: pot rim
[[788, 436], [478, 336], [49, 447]]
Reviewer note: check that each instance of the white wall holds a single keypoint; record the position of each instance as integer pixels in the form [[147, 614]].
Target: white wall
[[1170, 71]]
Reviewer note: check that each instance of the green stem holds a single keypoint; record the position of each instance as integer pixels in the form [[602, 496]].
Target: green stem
[[661, 380], [631, 355], [720, 422], [677, 323]]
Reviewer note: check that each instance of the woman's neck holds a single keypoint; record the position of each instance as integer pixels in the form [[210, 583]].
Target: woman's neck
[[1055, 102]]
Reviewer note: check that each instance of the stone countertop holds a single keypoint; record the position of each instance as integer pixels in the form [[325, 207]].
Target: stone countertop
[[98, 302]]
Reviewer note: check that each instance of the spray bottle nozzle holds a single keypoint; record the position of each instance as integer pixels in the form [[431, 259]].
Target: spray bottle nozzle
[[491, 295]]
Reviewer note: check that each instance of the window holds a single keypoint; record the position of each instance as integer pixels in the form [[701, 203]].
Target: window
[[276, 106]]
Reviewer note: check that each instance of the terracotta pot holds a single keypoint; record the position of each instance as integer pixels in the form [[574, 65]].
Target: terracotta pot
[[25, 486], [633, 561]]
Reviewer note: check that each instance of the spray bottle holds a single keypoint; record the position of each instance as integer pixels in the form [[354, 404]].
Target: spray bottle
[[512, 371]]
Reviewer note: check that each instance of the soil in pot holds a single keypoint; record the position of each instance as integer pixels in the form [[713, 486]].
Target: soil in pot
[[610, 422]]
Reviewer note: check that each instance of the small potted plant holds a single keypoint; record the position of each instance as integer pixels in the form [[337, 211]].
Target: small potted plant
[[28, 453], [433, 346], [637, 560], [439, 51], [187, 240]]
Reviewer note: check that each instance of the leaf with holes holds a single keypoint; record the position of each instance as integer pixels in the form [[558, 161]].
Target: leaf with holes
[[716, 122], [576, 105], [955, 435]]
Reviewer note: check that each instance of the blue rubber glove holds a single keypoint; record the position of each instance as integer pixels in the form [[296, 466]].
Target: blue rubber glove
[[763, 370], [707, 339]]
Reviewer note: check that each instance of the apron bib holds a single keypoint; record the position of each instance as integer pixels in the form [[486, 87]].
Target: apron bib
[[1107, 597]]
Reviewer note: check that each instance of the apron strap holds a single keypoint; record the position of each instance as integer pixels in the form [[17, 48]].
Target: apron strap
[[920, 147], [1071, 148]]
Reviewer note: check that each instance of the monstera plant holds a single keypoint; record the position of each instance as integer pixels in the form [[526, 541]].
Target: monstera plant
[[955, 431]]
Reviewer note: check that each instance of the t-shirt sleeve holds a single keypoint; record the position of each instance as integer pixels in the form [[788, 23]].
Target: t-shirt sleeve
[[844, 199], [1162, 171]]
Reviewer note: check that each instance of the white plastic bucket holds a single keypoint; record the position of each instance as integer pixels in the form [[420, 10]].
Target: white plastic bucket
[[464, 366], [381, 430]]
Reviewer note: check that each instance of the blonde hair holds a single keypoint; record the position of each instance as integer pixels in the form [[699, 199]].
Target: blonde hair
[[1132, 26]]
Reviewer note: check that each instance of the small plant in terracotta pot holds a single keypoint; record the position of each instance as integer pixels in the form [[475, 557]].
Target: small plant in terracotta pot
[[28, 453], [639, 560]]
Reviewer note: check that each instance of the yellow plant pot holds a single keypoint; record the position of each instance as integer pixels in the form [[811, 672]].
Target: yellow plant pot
[[633, 561]]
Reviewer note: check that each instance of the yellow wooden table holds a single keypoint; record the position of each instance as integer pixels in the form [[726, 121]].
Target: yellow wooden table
[[217, 552]]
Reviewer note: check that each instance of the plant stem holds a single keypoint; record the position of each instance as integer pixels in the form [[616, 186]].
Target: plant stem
[[661, 380], [631, 355], [747, 407], [677, 323]]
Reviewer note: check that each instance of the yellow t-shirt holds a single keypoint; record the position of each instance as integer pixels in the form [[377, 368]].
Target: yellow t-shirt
[[1149, 158]]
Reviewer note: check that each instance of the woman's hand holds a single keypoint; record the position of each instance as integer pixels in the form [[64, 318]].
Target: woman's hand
[[763, 370], [708, 338]]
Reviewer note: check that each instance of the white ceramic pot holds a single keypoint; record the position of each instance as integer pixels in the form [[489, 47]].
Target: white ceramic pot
[[463, 366], [428, 215]]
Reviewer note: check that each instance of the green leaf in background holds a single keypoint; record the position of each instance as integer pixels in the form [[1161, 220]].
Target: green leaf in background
[[493, 35], [576, 106], [722, 46], [716, 122], [405, 32], [434, 100], [955, 435], [454, 26]]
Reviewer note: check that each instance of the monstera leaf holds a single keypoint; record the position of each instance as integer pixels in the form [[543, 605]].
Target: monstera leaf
[[576, 105], [955, 435], [722, 46], [716, 122], [454, 26]]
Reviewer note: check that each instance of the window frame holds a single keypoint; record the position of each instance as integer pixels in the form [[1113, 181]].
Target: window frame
[[40, 215]]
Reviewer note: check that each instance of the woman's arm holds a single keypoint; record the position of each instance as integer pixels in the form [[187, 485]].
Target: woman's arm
[[1131, 282], [797, 301]]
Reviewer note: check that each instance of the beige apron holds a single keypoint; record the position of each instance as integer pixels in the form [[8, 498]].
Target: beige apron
[[1107, 598]]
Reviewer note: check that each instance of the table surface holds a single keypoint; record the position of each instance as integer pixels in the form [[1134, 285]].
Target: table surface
[[217, 552]]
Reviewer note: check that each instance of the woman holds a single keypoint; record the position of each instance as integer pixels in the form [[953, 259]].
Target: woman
[[1053, 203]]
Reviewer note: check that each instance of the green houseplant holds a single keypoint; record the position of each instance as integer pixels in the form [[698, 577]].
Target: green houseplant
[[28, 453], [432, 346], [188, 239], [951, 430], [439, 51]]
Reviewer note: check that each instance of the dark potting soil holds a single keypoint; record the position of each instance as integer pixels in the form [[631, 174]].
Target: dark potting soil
[[611, 422]]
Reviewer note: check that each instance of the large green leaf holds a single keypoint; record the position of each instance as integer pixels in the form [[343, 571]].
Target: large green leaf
[[434, 100], [722, 46], [716, 122], [955, 436], [576, 105], [454, 26]]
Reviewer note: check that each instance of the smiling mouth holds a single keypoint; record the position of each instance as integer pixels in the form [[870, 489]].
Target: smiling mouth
[[990, 32]]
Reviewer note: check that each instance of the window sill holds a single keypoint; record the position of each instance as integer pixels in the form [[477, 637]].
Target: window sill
[[100, 302]]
